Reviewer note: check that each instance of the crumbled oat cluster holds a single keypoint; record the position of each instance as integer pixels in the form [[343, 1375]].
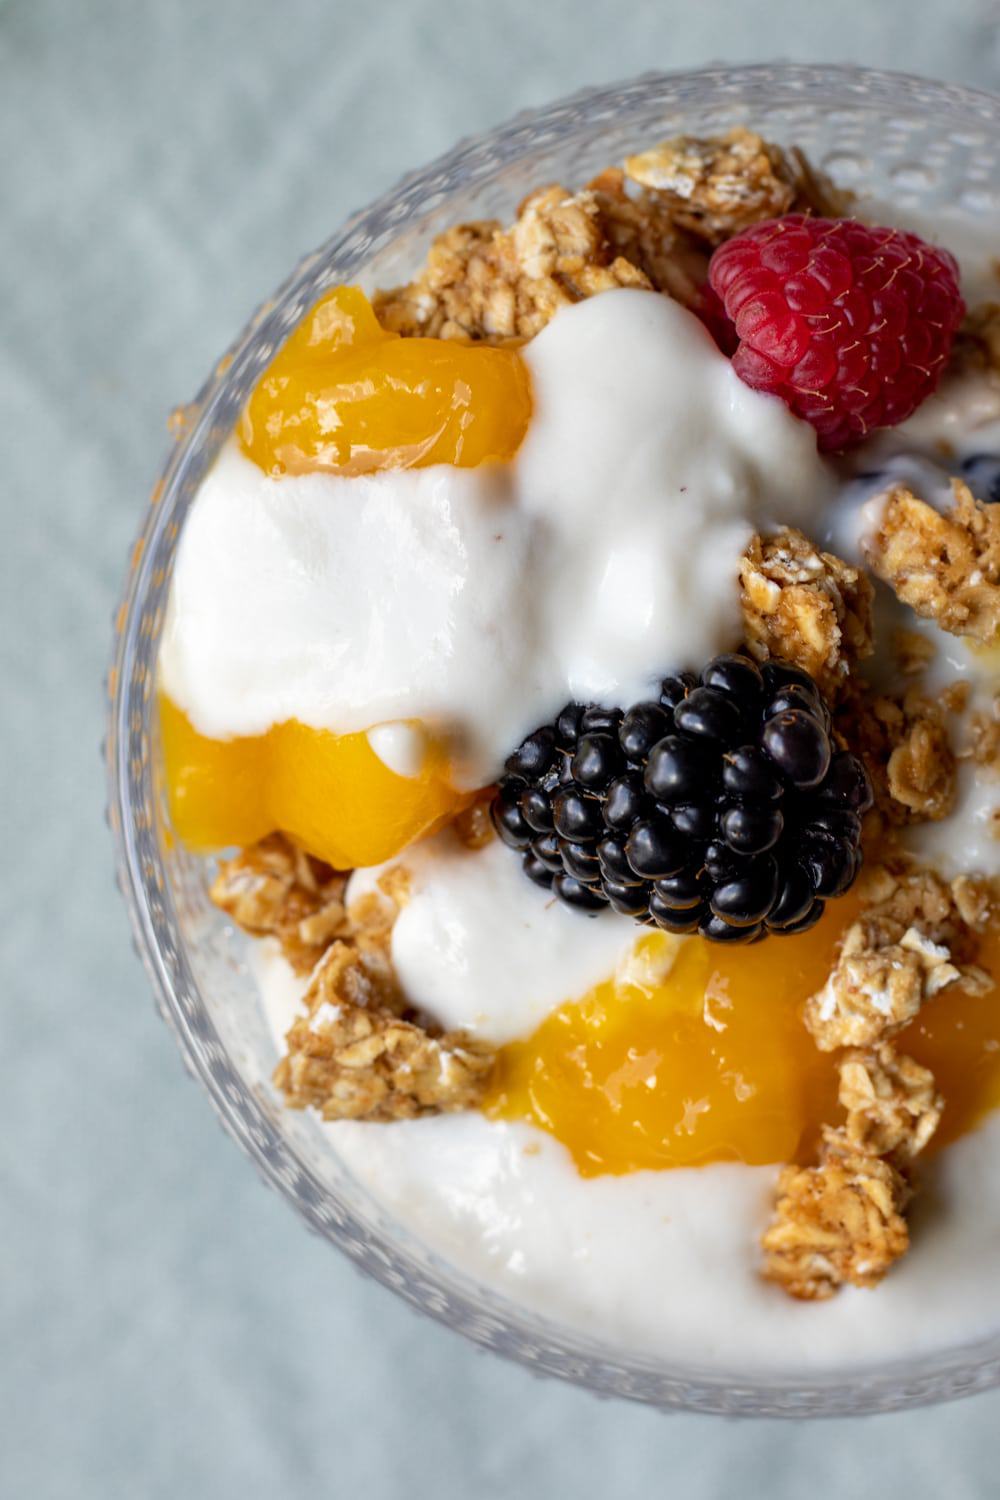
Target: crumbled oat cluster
[[839, 1221], [892, 1103], [482, 281], [651, 226], [978, 344], [984, 737], [807, 606], [906, 947], [274, 889], [718, 186], [945, 566], [876, 987], [359, 1051], [842, 1220], [905, 744], [357, 1054]]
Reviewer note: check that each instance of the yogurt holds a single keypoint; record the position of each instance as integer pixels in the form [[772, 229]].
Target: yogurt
[[479, 601], [657, 1261]]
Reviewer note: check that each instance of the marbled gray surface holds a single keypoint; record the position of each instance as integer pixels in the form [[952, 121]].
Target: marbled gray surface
[[166, 1326]]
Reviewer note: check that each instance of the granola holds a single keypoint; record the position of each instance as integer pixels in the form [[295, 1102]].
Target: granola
[[946, 566], [977, 346], [359, 1051], [906, 746], [807, 606], [650, 226], [717, 187], [839, 1221], [904, 948], [984, 736], [892, 1103], [274, 889], [482, 281]]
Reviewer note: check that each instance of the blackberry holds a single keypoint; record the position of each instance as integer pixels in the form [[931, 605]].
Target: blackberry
[[720, 806]]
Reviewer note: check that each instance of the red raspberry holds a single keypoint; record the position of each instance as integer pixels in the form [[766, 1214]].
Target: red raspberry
[[850, 324]]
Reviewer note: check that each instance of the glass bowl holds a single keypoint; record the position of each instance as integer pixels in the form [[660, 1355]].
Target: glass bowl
[[923, 144]]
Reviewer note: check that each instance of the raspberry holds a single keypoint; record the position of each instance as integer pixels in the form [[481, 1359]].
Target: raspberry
[[850, 324]]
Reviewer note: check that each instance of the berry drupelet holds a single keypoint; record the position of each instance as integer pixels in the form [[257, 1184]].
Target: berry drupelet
[[721, 807]]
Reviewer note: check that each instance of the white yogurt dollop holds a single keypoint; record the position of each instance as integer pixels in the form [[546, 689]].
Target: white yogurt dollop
[[479, 600], [478, 946]]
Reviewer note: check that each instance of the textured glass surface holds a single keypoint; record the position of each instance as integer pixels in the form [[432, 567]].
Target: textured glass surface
[[926, 146]]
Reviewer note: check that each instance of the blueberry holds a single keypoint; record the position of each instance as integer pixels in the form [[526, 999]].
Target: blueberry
[[575, 893], [535, 754], [536, 808], [696, 820], [579, 861], [682, 891], [750, 829], [710, 714], [536, 871], [674, 690], [642, 726], [747, 772], [678, 769], [981, 472], [799, 746], [597, 759], [508, 819], [654, 848], [568, 725], [735, 674], [576, 817], [748, 897], [625, 801], [546, 848], [630, 900]]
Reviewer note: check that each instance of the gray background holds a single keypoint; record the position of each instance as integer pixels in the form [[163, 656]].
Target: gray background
[[166, 1327]]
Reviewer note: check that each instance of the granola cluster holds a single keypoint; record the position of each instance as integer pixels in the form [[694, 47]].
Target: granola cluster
[[892, 1103], [482, 281], [652, 225], [274, 889], [843, 1219], [944, 564], [977, 346], [839, 1221], [905, 743], [807, 606], [719, 186], [909, 943], [359, 1051]]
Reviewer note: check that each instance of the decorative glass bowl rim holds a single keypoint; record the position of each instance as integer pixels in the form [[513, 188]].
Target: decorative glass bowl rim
[[483, 1315]]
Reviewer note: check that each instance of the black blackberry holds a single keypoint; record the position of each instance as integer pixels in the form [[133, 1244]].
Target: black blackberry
[[720, 806]]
